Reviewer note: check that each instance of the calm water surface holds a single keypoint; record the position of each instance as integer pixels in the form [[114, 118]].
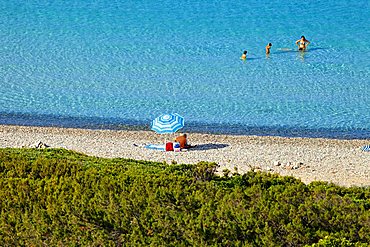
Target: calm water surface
[[108, 64]]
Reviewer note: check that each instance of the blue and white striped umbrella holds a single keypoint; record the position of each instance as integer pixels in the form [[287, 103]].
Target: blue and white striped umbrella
[[168, 123]]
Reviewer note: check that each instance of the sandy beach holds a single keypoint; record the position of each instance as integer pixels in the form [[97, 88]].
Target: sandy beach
[[309, 159]]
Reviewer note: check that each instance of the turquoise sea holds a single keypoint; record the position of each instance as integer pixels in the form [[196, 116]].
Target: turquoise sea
[[119, 64]]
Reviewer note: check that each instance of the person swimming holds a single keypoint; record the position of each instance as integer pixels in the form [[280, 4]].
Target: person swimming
[[302, 43], [244, 55], [268, 47]]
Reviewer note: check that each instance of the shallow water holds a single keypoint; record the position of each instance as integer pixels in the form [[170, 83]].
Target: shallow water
[[109, 64]]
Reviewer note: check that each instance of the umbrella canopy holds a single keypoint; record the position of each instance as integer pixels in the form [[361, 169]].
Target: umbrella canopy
[[167, 123]]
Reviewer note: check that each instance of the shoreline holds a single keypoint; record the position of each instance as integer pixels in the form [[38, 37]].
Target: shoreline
[[117, 124], [340, 161]]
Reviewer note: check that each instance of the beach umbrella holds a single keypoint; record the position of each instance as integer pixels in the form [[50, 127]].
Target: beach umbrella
[[167, 123]]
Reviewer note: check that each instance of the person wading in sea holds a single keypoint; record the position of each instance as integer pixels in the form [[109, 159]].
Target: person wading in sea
[[302, 43]]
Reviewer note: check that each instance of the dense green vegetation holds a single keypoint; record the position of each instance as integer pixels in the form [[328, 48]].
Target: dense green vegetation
[[59, 197]]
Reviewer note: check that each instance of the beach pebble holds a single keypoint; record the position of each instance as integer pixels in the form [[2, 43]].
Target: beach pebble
[[40, 145], [277, 163], [257, 169], [297, 165], [288, 165]]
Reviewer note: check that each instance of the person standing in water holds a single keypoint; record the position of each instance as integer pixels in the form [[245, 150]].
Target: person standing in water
[[302, 43], [244, 55], [268, 47]]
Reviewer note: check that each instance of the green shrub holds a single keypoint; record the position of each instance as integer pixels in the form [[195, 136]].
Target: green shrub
[[59, 197]]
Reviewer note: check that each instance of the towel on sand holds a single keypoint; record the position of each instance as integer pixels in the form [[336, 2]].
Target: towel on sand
[[160, 147], [366, 148]]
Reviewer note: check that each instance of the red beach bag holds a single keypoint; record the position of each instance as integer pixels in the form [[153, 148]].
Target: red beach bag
[[169, 146]]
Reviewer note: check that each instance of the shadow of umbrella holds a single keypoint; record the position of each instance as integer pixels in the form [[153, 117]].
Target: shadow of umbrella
[[209, 146]]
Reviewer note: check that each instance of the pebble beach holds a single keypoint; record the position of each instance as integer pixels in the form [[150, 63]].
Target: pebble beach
[[309, 159]]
